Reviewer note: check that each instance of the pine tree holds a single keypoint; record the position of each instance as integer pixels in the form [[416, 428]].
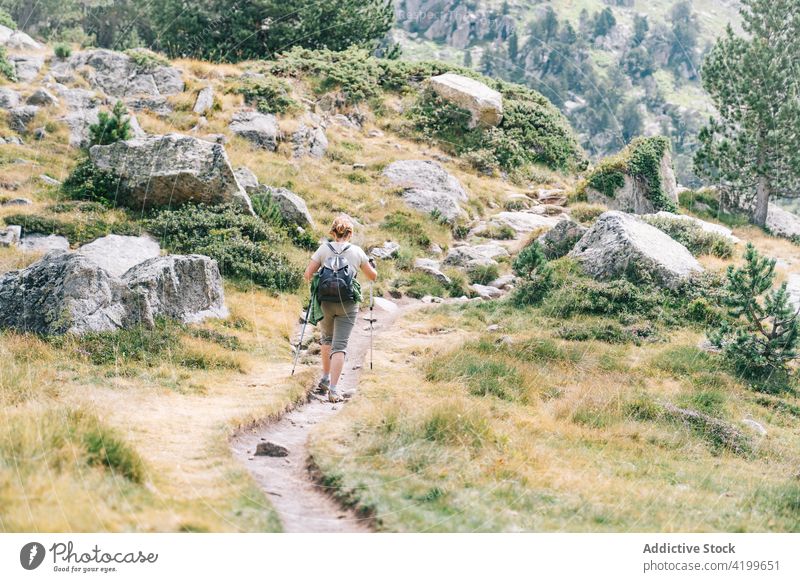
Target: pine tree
[[111, 128], [513, 47], [765, 333], [468, 59], [752, 147]]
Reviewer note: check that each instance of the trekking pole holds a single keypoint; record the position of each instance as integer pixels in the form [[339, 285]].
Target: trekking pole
[[302, 332], [371, 320]]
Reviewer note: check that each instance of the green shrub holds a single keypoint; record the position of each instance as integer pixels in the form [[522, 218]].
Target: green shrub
[[269, 211], [111, 128], [81, 230], [586, 213], [483, 274], [764, 333], [241, 244], [641, 160], [6, 20], [693, 237], [535, 275], [62, 51], [146, 60], [411, 226], [90, 183], [583, 296], [607, 331], [268, 94], [6, 69]]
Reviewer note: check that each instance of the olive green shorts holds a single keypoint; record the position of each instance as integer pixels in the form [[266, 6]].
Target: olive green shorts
[[337, 325]]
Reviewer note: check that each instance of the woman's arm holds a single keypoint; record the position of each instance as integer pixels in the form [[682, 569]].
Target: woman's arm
[[313, 267], [369, 271]]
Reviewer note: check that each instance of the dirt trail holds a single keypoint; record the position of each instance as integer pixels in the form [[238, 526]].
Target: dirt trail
[[303, 505]]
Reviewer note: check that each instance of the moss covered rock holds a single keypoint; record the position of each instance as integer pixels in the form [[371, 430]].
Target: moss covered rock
[[640, 179]]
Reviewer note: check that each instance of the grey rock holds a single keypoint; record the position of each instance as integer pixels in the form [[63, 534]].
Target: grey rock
[[292, 207], [484, 104], [16, 39], [474, 256], [69, 293], [523, 222], [117, 75], [755, 426], [246, 178], [309, 141], [388, 250], [136, 129], [78, 123], [258, 128], [9, 99], [167, 170], [270, 449], [26, 67], [11, 140], [424, 175], [783, 223], [204, 101], [39, 133], [183, 287], [504, 282], [561, 239], [157, 105], [427, 187], [620, 243], [20, 117], [793, 287], [10, 235], [41, 243], [432, 268], [634, 195], [17, 202], [556, 196], [117, 254], [706, 226], [42, 97], [48, 180], [486, 292]]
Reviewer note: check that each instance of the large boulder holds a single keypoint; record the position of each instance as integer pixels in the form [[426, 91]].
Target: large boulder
[[16, 39], [9, 99], [168, 170], [427, 187], [524, 222], [117, 254], [432, 268], [42, 97], [20, 117], [640, 179], [26, 67], [704, 225], [83, 109], [70, 293], [119, 75], [309, 141], [183, 287], [42, 243], [293, 209], [258, 128], [783, 223], [246, 178], [561, 239], [620, 244], [204, 101], [470, 256], [484, 104]]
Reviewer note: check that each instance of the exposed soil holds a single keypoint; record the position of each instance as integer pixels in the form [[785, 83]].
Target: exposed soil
[[302, 504]]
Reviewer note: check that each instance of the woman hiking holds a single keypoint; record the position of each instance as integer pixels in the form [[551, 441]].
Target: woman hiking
[[336, 293]]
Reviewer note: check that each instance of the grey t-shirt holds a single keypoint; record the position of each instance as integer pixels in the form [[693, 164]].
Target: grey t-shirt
[[355, 255]]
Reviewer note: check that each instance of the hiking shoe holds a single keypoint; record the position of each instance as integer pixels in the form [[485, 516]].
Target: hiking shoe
[[323, 386], [335, 395]]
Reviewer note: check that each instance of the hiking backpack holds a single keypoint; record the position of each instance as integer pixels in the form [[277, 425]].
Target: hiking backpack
[[336, 278]]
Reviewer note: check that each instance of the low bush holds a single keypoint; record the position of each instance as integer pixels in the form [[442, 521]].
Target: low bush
[[268, 211], [535, 276], [80, 230], [146, 60], [411, 226], [90, 183], [483, 274], [693, 237], [6, 68], [607, 331], [241, 244], [6, 20], [586, 213], [62, 51], [268, 94]]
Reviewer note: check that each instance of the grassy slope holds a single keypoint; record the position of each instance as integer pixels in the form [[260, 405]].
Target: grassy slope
[[172, 412]]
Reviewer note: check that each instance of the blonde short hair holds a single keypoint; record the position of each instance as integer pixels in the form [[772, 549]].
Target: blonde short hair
[[342, 226]]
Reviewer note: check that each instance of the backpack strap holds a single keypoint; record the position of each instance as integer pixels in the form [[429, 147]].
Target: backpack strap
[[335, 252]]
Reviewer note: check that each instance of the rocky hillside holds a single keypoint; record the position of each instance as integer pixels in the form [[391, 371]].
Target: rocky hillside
[[156, 218], [616, 69]]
